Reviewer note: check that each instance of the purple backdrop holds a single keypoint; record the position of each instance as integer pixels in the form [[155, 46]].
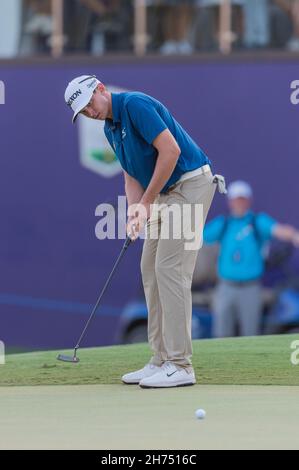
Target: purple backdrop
[[52, 266]]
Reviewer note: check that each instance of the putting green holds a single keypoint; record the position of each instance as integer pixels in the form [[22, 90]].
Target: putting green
[[127, 417], [89, 408]]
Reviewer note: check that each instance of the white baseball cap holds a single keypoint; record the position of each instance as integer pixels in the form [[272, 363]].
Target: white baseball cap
[[79, 91], [239, 189]]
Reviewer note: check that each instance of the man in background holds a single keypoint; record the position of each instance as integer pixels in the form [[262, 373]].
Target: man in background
[[242, 236]]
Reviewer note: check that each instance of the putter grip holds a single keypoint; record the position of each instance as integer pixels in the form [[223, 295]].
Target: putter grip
[[127, 242]]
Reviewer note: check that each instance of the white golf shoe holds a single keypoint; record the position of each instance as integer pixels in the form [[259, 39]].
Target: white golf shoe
[[135, 377], [169, 376]]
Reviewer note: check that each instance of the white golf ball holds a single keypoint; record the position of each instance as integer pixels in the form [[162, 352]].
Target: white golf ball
[[200, 414]]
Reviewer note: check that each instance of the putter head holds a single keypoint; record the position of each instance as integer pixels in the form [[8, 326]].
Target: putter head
[[62, 357]]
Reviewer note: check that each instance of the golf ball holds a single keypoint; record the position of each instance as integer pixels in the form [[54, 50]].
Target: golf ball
[[200, 414]]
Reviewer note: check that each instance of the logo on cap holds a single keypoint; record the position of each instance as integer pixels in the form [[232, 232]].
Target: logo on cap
[[91, 84], [73, 97]]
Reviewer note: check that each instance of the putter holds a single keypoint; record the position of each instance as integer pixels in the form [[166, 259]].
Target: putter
[[74, 358]]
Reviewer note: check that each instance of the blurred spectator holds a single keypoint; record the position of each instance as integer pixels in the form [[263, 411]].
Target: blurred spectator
[[206, 34], [291, 8], [37, 27], [175, 23], [80, 17], [174, 26], [110, 25], [77, 17], [95, 26], [98, 26], [10, 28], [242, 236], [271, 23], [280, 26], [256, 23]]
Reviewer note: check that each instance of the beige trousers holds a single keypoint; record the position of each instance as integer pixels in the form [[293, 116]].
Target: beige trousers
[[167, 267]]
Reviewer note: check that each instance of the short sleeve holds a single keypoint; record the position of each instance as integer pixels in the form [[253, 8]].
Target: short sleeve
[[145, 118], [213, 230], [108, 135], [265, 225]]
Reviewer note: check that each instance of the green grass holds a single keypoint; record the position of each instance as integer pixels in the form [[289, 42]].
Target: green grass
[[263, 360]]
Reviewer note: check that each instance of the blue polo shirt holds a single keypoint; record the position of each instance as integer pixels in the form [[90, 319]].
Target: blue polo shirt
[[241, 250], [137, 120]]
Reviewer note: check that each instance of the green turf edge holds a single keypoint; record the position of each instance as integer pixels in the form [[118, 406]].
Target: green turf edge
[[262, 360]]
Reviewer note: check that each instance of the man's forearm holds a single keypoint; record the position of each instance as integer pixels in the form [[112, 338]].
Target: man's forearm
[[134, 190], [285, 232], [165, 165]]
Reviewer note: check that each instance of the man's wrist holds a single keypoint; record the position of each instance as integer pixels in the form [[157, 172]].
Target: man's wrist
[[147, 199]]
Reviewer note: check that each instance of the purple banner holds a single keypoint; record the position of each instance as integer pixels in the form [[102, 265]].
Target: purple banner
[[51, 262]]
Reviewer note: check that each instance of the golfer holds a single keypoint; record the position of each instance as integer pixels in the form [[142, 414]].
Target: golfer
[[161, 165]]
